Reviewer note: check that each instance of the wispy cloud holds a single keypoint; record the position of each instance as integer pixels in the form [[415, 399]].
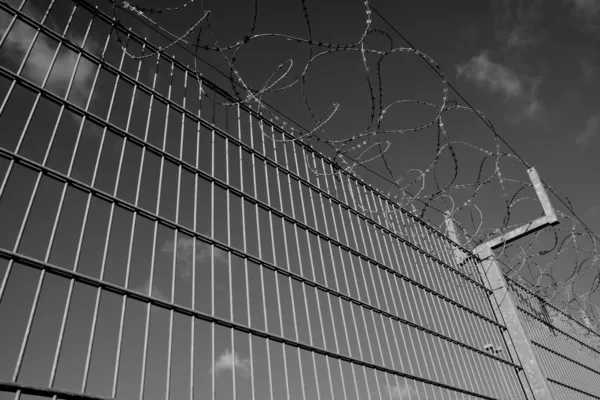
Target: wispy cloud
[[587, 8], [228, 361], [520, 37], [533, 109], [592, 125], [499, 79], [145, 289], [587, 14], [491, 76], [40, 59], [184, 252], [517, 23], [399, 392]]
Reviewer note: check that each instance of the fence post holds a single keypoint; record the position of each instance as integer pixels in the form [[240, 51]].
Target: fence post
[[505, 310], [506, 307]]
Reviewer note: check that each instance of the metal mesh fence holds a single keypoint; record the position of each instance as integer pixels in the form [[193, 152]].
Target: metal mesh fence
[[155, 244], [566, 350]]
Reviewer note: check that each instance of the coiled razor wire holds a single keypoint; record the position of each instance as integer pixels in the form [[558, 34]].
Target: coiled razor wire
[[532, 261]]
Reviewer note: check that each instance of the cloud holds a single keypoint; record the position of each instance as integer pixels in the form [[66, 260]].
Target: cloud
[[533, 109], [228, 361], [497, 78], [185, 250], [586, 8], [399, 392], [145, 289], [592, 125], [40, 59], [516, 23], [518, 26], [587, 70], [520, 37], [587, 13], [491, 76]]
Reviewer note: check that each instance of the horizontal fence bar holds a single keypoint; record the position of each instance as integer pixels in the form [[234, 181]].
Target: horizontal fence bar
[[222, 246], [553, 327], [422, 275], [530, 292], [548, 304], [97, 120], [83, 186], [572, 388], [556, 353], [145, 88], [48, 392], [230, 324]]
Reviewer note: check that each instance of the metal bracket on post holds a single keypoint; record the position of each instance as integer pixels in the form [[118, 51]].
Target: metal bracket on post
[[493, 278], [548, 219]]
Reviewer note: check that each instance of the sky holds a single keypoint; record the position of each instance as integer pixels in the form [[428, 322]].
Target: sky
[[526, 70]]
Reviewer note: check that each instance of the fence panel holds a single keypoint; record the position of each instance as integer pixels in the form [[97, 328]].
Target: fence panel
[[160, 241]]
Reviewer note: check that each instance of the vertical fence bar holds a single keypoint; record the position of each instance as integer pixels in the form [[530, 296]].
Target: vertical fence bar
[[375, 267], [334, 230]]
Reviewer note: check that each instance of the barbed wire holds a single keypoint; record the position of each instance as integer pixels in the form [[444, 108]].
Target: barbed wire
[[534, 261]]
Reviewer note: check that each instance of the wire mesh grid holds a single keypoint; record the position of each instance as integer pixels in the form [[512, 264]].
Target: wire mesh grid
[[566, 349], [155, 244]]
